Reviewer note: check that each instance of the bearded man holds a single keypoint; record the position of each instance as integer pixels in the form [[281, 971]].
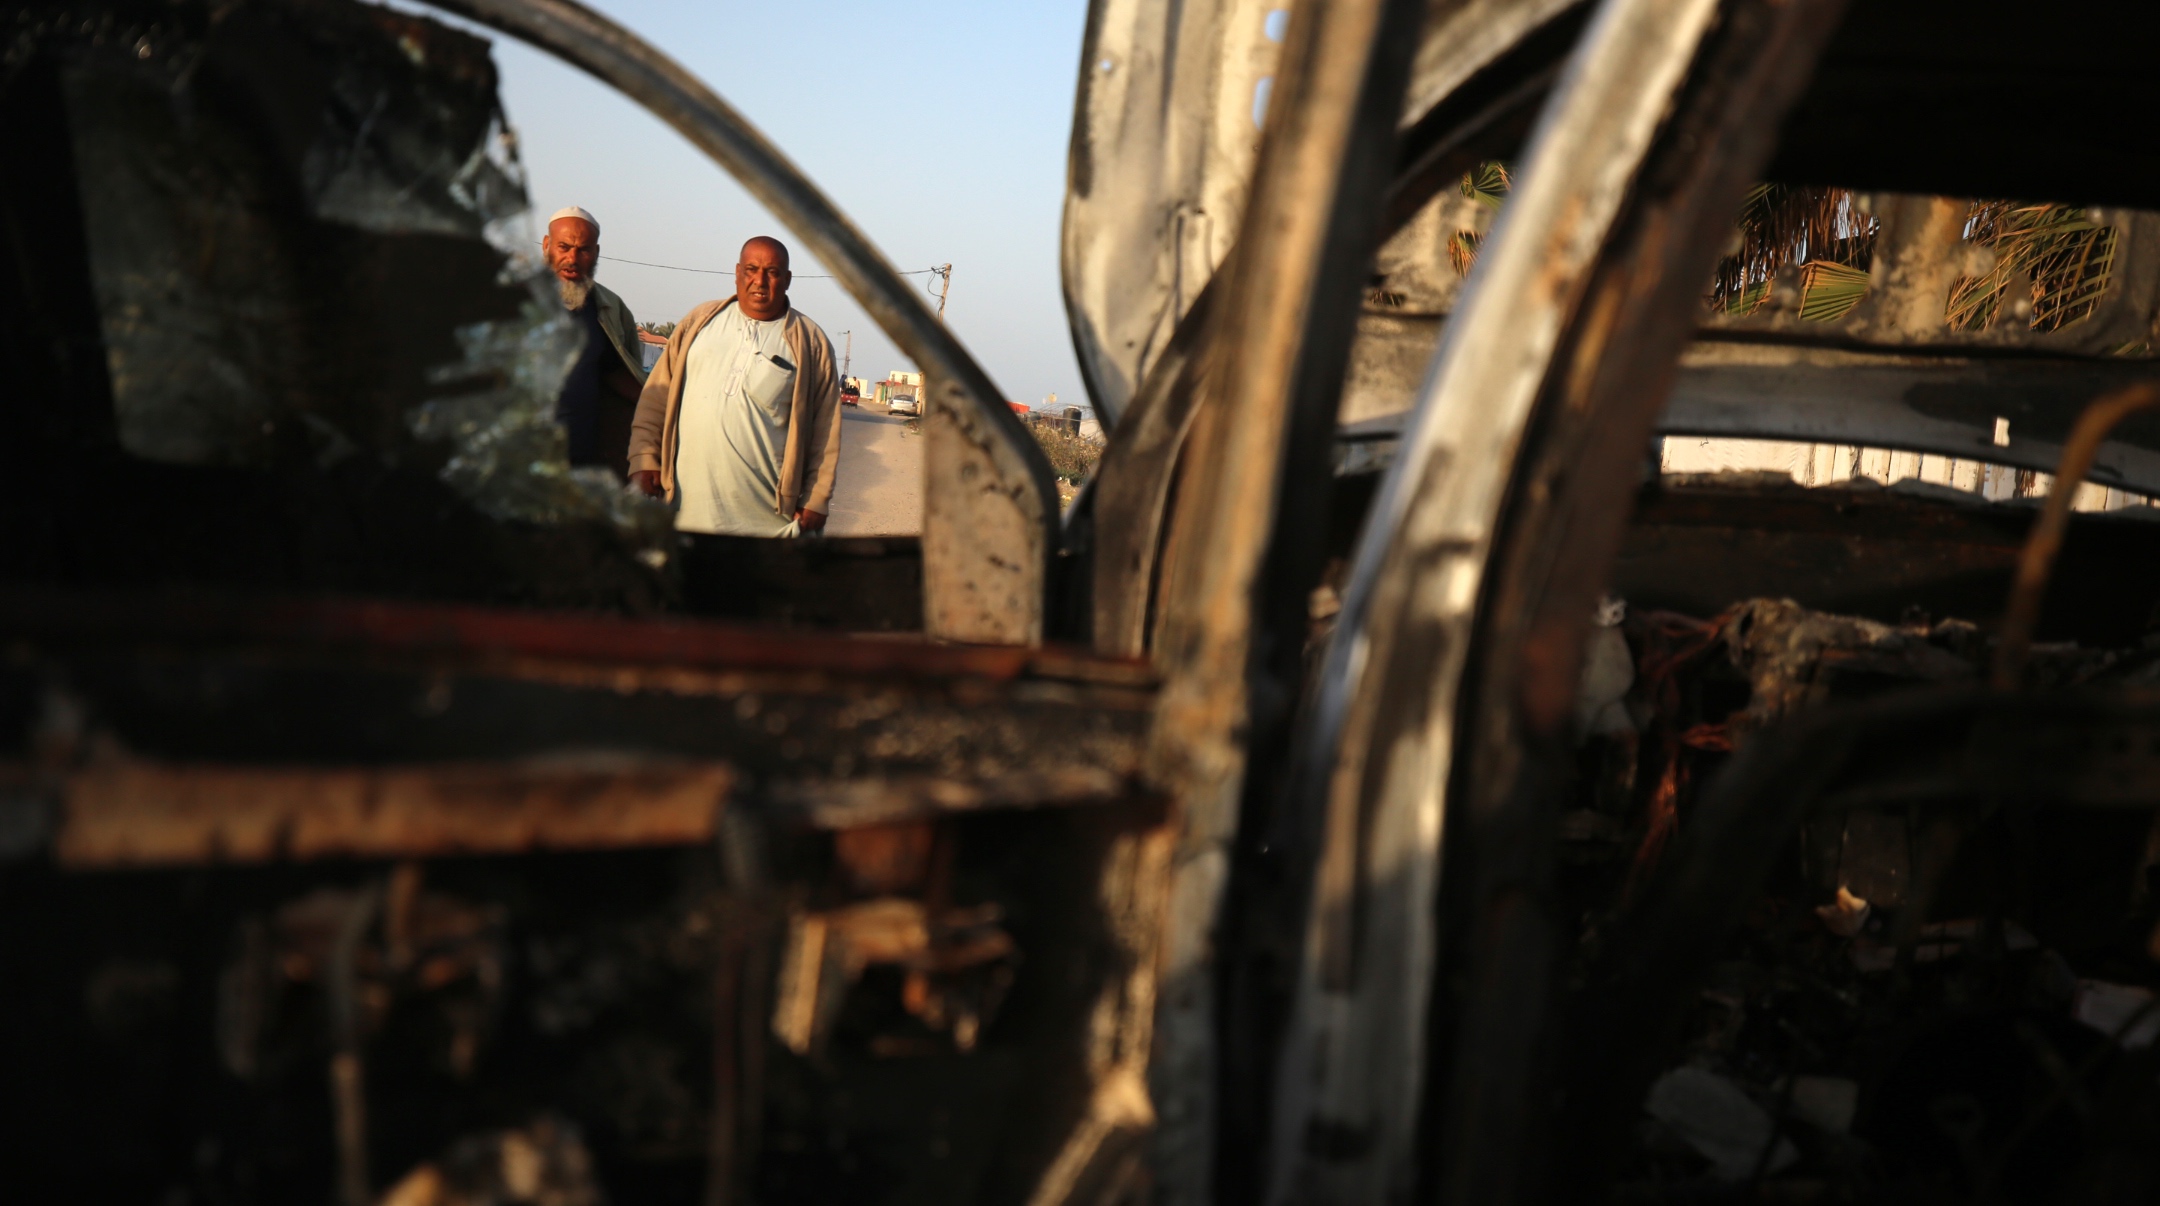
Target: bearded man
[[739, 424], [599, 397]]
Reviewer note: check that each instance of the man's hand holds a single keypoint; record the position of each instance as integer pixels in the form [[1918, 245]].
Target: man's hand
[[809, 520], [648, 480]]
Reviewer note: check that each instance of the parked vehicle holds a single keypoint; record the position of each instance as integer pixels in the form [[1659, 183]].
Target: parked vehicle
[[902, 404]]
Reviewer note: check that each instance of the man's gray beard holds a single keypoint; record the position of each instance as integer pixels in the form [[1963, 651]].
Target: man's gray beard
[[575, 292]]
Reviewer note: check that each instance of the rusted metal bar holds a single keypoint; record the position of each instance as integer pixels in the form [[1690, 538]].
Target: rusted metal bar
[[348, 1065], [2029, 589], [1503, 507], [141, 814], [1355, 1055], [742, 996], [724, 1163], [1557, 530], [990, 518], [1133, 484], [836, 803], [279, 712], [460, 634], [1245, 538]]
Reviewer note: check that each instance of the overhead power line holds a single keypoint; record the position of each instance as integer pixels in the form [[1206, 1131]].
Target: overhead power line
[[801, 276]]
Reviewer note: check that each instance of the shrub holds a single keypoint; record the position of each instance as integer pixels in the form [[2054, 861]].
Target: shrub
[[1071, 458]]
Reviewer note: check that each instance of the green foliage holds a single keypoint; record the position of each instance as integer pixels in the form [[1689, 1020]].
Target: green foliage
[[2067, 258], [1488, 185], [1747, 300], [662, 329], [1829, 290], [1462, 249], [1780, 226], [2064, 257], [2057, 253]]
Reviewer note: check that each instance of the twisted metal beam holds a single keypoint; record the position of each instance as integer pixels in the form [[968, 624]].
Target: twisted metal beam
[[1415, 1061], [2029, 591]]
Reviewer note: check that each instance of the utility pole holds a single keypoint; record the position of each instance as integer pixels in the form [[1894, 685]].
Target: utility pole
[[847, 357], [944, 274]]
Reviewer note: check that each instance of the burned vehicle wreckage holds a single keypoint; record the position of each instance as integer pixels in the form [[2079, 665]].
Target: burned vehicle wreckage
[[1410, 771]]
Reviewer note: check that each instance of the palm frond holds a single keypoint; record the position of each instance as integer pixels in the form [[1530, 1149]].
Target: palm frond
[[1748, 300], [1488, 185], [1829, 290], [1782, 225], [2068, 257], [1462, 249]]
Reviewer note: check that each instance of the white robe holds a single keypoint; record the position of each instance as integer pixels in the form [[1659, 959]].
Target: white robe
[[732, 435]]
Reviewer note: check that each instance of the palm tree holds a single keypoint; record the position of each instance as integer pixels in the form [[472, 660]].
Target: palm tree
[[1823, 230], [2067, 254]]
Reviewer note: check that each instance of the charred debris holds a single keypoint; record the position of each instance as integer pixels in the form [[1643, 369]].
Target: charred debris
[[384, 820], [1900, 950]]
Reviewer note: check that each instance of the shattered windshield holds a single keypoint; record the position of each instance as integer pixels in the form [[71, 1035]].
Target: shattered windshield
[[330, 359]]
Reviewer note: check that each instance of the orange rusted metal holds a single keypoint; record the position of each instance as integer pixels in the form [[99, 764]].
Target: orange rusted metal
[[145, 814], [472, 633]]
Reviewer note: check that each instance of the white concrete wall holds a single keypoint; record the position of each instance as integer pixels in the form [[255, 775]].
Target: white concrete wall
[[1825, 464]]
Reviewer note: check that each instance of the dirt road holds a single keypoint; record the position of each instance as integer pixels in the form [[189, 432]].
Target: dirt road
[[878, 491]]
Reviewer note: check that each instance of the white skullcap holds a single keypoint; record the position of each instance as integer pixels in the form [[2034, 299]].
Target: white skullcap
[[573, 211]]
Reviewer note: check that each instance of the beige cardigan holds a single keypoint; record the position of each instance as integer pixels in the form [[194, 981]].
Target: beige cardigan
[[813, 417]]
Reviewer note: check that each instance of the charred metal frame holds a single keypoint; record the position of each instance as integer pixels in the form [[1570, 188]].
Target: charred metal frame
[[1866, 396], [1451, 672], [1252, 503], [291, 743], [1617, 196], [1481, 70]]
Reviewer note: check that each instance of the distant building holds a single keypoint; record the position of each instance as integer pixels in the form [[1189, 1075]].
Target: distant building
[[897, 384], [1072, 420], [1082, 422], [650, 344]]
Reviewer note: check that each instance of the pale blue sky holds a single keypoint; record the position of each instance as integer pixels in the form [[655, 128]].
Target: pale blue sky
[[940, 128]]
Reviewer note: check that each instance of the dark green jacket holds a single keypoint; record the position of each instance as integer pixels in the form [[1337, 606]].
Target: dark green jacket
[[621, 328]]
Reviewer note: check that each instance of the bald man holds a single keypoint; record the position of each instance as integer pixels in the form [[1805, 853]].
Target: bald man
[[739, 424], [599, 397]]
